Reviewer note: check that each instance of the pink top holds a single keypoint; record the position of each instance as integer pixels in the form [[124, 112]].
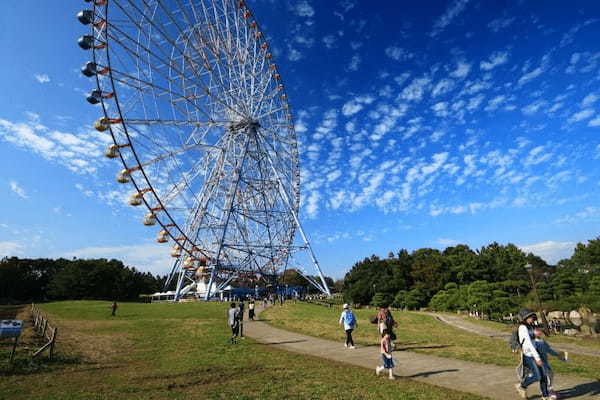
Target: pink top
[[386, 346]]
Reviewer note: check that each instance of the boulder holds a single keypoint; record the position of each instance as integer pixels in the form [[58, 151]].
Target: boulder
[[560, 315], [575, 318]]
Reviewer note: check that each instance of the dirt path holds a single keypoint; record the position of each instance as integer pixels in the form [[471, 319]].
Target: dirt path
[[481, 379], [461, 323]]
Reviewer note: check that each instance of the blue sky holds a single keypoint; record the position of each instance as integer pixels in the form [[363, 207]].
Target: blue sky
[[420, 126]]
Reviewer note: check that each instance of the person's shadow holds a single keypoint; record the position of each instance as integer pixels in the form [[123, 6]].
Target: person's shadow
[[591, 388]]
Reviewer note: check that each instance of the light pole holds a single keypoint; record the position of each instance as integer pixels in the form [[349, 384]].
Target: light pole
[[529, 269]]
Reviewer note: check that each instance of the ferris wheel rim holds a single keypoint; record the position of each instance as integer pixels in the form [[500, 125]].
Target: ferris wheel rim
[[138, 165]]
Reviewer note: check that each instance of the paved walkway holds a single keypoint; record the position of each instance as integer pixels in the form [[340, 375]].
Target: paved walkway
[[461, 323], [485, 380]]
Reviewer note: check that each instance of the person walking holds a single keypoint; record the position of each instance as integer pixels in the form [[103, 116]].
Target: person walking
[[547, 375], [385, 349], [251, 310], [531, 359], [234, 322], [348, 320], [241, 306], [114, 307]]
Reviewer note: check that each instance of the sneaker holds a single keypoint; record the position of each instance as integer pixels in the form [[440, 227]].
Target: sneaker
[[522, 392], [352, 347], [346, 345], [378, 370], [553, 396], [392, 377]]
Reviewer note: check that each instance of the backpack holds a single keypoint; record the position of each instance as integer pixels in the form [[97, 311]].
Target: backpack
[[514, 342], [349, 318], [389, 320]]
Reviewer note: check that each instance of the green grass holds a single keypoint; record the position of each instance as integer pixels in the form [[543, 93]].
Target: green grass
[[180, 351], [416, 332], [592, 343]]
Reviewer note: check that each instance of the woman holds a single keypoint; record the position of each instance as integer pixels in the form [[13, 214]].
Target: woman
[[251, 310], [531, 358]]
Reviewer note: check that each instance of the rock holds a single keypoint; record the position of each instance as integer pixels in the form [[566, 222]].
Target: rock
[[556, 315], [570, 332], [575, 318]]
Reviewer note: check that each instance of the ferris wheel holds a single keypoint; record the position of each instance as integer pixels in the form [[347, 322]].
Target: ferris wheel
[[200, 120]]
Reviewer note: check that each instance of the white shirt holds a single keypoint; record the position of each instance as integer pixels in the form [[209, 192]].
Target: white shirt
[[527, 345]]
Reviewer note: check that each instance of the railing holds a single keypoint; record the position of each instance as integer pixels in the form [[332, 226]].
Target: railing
[[43, 327]]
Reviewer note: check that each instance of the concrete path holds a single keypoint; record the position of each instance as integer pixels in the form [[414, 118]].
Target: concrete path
[[485, 380], [461, 323]]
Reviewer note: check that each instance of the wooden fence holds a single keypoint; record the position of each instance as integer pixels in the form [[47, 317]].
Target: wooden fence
[[43, 327]]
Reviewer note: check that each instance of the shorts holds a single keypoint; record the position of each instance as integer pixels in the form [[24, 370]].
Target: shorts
[[388, 363]]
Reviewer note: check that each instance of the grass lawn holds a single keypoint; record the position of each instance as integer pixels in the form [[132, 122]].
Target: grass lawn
[[580, 341], [180, 351], [416, 332]]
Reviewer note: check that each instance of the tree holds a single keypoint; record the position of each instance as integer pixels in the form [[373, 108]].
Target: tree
[[381, 299], [415, 299]]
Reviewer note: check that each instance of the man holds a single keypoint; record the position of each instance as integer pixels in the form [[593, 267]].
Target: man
[[234, 322], [114, 308], [531, 358], [241, 317]]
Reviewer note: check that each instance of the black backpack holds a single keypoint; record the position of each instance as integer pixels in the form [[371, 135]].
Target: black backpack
[[514, 342]]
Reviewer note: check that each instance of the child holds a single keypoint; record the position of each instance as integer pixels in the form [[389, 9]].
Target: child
[[348, 320], [386, 355], [543, 349]]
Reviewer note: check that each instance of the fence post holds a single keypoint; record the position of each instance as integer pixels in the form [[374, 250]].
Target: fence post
[[44, 329], [53, 340]]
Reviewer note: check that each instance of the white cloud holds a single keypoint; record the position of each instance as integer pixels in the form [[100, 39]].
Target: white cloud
[[355, 62], [446, 242], [75, 151], [11, 249], [303, 9], [462, 70], [533, 107], [16, 188], [500, 23], [588, 214], [594, 122], [294, 55], [355, 105], [446, 19], [312, 206], [537, 155], [42, 78], [497, 58], [416, 89], [589, 100], [398, 53], [329, 41], [581, 115], [332, 176], [550, 250], [442, 87], [531, 75], [151, 257]]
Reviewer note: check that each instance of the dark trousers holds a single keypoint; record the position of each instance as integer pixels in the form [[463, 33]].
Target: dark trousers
[[349, 340]]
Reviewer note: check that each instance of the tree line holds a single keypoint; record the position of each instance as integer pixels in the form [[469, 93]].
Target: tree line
[[62, 279], [492, 279]]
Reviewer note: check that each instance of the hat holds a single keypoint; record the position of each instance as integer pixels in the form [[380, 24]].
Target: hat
[[524, 314], [346, 305]]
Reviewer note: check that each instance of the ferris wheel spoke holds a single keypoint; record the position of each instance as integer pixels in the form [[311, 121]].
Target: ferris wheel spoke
[[181, 74]]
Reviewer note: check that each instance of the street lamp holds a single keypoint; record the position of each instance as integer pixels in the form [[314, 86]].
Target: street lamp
[[529, 269]]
